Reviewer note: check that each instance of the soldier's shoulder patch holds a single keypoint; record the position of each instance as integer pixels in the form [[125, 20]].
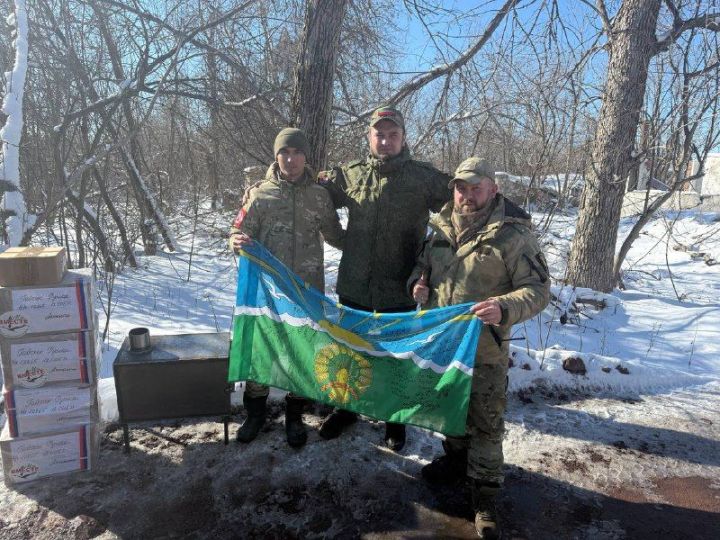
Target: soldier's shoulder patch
[[510, 229], [240, 218], [520, 228]]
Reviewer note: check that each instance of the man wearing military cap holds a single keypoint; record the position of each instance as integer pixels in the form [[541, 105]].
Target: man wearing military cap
[[481, 250], [389, 197]]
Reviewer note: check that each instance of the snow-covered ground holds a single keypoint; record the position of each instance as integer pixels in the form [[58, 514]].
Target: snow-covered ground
[[663, 328], [646, 409]]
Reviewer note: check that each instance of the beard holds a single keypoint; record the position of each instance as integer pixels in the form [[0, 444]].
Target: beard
[[468, 207], [384, 156]]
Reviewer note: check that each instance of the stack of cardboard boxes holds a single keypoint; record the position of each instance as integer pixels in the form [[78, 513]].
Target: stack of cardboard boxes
[[48, 348]]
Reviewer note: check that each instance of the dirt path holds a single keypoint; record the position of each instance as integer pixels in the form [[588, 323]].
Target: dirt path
[[571, 473]]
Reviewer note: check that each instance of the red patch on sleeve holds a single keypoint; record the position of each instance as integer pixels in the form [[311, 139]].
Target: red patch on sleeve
[[240, 218]]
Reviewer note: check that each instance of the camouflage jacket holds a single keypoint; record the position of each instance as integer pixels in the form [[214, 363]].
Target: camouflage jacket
[[502, 261], [388, 208], [291, 220]]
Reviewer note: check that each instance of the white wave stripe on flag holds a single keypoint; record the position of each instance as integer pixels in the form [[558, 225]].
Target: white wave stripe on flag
[[297, 322]]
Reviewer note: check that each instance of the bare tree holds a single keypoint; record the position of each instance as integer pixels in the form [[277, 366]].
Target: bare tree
[[632, 43], [692, 123]]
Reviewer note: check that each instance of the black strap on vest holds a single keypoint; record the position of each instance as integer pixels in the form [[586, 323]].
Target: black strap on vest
[[498, 339], [495, 336]]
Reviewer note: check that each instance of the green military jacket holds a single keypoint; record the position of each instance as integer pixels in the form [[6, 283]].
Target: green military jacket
[[503, 261], [388, 209], [291, 219]]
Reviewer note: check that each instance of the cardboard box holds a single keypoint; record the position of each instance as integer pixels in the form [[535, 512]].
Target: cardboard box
[[50, 454], [67, 306], [32, 266], [50, 359], [42, 410]]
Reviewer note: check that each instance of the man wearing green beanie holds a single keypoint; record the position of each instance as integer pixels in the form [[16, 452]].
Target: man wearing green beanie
[[389, 197], [291, 138], [291, 216]]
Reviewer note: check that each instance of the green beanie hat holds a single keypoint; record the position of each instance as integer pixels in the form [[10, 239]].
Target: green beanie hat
[[293, 137]]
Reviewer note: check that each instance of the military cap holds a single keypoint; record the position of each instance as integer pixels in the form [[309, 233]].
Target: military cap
[[387, 113], [294, 138], [472, 171]]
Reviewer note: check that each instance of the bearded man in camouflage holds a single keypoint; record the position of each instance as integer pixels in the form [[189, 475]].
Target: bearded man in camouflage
[[481, 250], [389, 197], [291, 216]]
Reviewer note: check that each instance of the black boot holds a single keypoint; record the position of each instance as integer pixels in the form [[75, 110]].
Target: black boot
[[256, 412], [394, 436], [334, 424], [294, 428], [447, 469], [484, 495]]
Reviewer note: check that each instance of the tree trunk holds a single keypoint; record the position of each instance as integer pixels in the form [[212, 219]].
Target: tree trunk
[[150, 212], [213, 156], [93, 224], [100, 181], [13, 212], [79, 202], [569, 169], [631, 46], [122, 231], [314, 75]]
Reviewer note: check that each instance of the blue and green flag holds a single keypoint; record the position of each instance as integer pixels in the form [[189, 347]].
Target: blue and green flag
[[412, 368]]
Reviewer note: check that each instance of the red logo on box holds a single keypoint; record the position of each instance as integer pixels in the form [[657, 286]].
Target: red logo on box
[[13, 324], [24, 471], [32, 377]]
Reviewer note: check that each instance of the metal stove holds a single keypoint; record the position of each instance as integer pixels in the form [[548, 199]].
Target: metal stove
[[179, 376]]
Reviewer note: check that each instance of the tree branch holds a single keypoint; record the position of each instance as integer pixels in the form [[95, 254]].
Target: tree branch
[[708, 21], [418, 82], [180, 34]]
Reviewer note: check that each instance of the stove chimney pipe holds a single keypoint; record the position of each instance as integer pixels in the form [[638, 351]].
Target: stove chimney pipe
[[139, 340]]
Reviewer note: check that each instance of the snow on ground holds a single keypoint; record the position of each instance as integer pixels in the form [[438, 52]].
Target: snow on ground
[[662, 329], [619, 447], [664, 343]]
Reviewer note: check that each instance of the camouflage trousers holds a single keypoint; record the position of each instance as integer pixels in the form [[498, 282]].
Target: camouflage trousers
[[485, 424], [258, 390]]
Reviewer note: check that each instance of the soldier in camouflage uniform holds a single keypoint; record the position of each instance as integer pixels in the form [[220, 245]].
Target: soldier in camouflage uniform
[[389, 197], [291, 216], [481, 250]]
